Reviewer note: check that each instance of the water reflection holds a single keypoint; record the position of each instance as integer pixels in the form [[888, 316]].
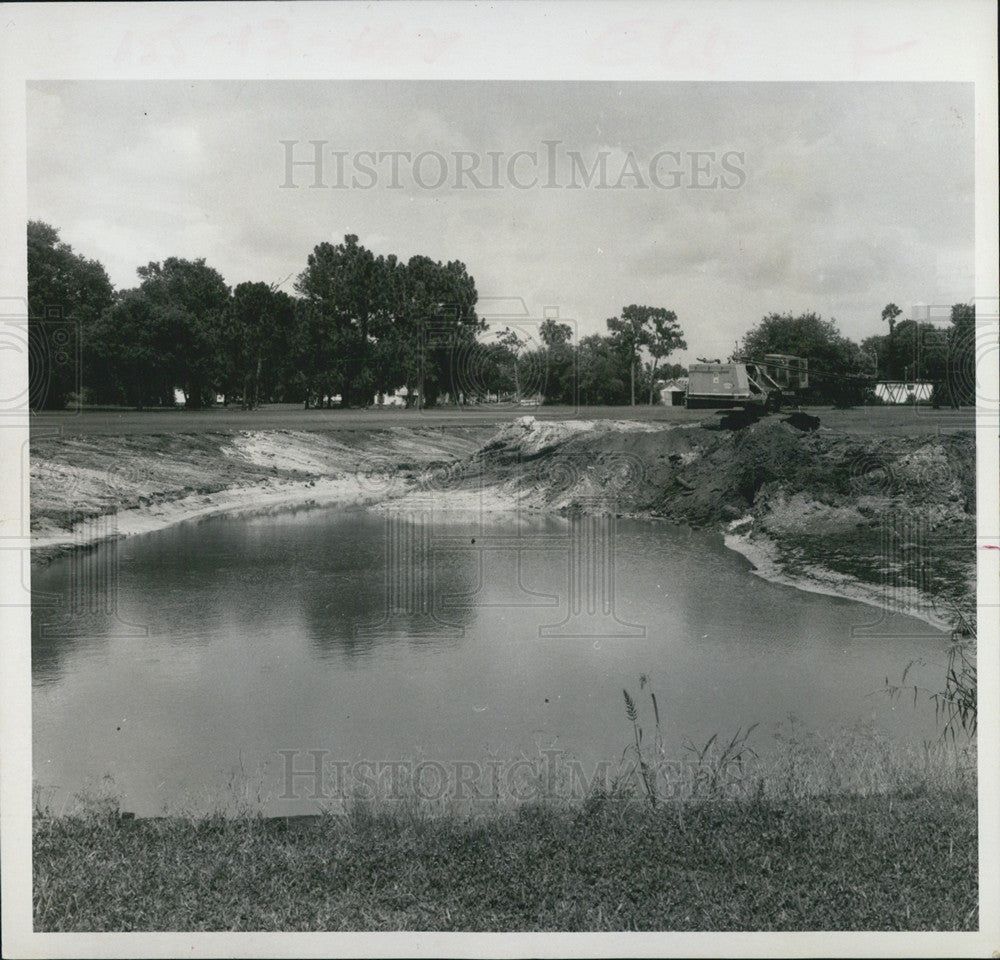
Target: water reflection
[[382, 635]]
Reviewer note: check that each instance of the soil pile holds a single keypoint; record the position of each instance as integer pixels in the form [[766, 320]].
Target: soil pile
[[893, 511]]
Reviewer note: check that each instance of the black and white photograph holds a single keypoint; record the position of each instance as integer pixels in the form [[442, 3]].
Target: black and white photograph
[[479, 476]]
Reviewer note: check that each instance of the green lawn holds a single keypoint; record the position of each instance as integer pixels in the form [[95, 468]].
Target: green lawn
[[888, 862]]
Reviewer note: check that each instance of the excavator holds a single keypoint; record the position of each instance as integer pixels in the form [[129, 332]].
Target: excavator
[[754, 387]]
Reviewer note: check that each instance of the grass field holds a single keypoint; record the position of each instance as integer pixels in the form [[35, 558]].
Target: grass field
[[890, 862], [879, 420]]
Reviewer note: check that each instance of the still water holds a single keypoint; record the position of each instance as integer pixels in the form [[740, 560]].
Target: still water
[[172, 669]]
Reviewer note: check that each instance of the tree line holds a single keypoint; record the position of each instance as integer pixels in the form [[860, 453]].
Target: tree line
[[351, 332], [360, 327], [918, 350], [845, 373]]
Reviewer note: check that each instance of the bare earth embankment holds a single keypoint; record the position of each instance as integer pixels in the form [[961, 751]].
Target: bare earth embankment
[[869, 509], [86, 488], [882, 519]]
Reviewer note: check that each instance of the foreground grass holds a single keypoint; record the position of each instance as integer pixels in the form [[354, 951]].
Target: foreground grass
[[903, 861]]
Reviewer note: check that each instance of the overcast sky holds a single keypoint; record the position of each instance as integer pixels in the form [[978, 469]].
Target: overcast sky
[[833, 197]]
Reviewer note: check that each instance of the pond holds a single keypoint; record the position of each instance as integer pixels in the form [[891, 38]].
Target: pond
[[230, 657]]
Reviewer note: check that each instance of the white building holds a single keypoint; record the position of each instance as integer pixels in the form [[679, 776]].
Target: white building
[[397, 399], [903, 391]]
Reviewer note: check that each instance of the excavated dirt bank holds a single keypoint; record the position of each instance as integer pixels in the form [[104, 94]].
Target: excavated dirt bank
[[149, 482], [884, 519], [887, 519]]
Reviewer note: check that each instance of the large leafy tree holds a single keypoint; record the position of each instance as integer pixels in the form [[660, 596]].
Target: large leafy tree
[[192, 300], [603, 372], [440, 322], [375, 324], [257, 334], [654, 328], [133, 352], [60, 282], [344, 286], [627, 335], [393, 350], [833, 359], [663, 337]]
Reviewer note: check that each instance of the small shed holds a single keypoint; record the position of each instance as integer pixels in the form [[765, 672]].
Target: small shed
[[672, 393]]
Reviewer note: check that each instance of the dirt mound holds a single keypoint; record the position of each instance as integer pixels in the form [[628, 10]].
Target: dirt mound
[[859, 506], [612, 464]]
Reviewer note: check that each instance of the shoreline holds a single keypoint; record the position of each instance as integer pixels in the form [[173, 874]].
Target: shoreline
[[759, 489], [261, 499], [762, 554], [247, 500], [379, 491]]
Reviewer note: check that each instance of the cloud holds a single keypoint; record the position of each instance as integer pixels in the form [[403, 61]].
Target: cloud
[[854, 194]]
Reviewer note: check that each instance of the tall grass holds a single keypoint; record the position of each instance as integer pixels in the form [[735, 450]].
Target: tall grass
[[956, 704], [849, 863], [858, 760]]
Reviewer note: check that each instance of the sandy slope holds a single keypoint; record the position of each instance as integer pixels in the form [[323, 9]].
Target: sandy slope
[[142, 483]]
